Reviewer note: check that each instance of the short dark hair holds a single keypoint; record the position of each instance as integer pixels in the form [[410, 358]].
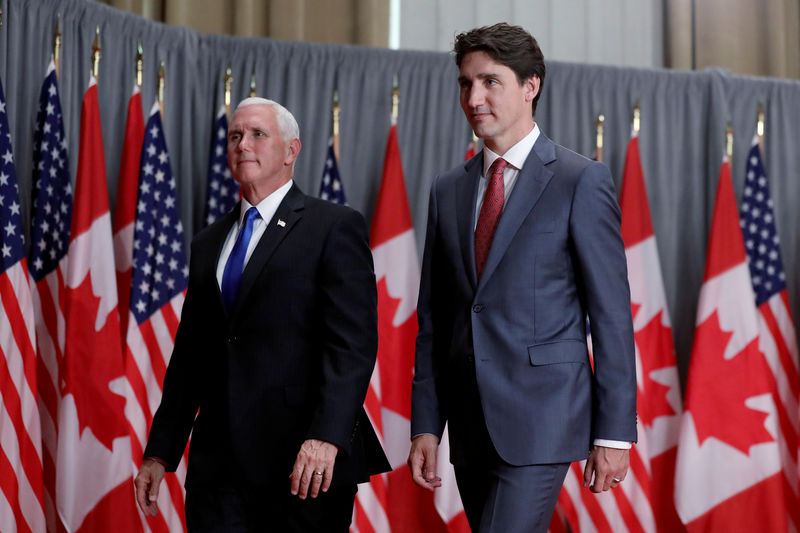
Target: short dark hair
[[509, 45]]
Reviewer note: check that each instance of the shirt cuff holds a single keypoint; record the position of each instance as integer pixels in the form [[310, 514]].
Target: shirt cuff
[[618, 444]]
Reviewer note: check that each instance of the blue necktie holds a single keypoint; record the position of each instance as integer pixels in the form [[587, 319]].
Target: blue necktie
[[232, 275]]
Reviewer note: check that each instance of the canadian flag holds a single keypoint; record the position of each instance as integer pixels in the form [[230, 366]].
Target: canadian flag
[[644, 501], [391, 502], [125, 209], [94, 477], [728, 472]]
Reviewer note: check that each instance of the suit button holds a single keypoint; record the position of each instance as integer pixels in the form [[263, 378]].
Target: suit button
[[470, 359], [477, 308], [232, 339]]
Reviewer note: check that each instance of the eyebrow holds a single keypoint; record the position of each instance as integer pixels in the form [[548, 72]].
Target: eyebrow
[[480, 76]]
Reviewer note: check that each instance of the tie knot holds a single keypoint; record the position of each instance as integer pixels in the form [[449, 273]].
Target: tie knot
[[498, 166], [250, 215]]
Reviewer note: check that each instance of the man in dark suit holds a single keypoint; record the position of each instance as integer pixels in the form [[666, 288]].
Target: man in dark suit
[[276, 345], [523, 241]]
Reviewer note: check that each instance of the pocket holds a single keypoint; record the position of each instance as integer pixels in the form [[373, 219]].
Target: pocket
[[563, 351]]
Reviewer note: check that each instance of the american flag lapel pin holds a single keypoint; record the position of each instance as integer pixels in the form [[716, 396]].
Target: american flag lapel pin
[[281, 223]]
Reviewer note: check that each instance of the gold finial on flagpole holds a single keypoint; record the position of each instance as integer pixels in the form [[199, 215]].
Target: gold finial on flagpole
[[336, 112], [395, 99], [139, 64], [228, 81], [253, 85], [599, 126], [729, 143], [636, 118], [475, 145], [760, 127], [57, 46], [96, 53], [162, 84]]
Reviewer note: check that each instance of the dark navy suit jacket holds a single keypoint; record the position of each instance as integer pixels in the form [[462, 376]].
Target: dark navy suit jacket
[[291, 361], [557, 256]]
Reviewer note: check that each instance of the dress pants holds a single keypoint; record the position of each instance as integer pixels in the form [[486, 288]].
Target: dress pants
[[499, 497], [240, 508]]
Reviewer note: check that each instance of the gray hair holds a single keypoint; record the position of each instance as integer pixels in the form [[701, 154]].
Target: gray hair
[[287, 125]]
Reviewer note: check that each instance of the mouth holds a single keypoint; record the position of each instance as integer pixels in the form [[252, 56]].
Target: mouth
[[477, 117]]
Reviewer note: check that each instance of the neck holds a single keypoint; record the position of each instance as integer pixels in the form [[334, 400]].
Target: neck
[[501, 145], [255, 193]]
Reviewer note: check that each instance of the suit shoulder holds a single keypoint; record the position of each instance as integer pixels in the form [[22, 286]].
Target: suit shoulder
[[329, 211], [465, 167], [570, 163]]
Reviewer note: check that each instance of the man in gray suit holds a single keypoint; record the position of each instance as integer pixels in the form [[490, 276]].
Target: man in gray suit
[[523, 241]]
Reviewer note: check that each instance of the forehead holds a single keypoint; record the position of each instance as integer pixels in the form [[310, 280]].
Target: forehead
[[479, 64], [252, 116]]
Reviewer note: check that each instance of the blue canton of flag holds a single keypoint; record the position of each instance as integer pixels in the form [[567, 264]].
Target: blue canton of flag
[[159, 260], [331, 188], [52, 190], [223, 191], [11, 243], [760, 235]]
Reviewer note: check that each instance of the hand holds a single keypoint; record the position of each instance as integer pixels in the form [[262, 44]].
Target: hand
[[422, 461], [147, 482], [607, 465], [315, 456]]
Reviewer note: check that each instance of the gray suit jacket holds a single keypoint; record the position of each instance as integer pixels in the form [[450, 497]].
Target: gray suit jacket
[[557, 256]]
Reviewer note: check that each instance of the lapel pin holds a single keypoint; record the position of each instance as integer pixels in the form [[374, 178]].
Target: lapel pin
[[281, 223]]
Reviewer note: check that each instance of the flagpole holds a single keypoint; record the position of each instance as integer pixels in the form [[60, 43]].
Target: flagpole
[[729, 145], [336, 110], [637, 113], [760, 128], [253, 92], [139, 65], [96, 54], [395, 99], [599, 127], [162, 82], [57, 47], [228, 80]]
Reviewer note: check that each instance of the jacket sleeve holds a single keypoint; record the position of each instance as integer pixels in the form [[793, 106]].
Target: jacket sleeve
[[349, 327], [595, 230]]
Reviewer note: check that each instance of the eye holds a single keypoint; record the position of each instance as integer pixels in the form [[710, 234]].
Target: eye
[[234, 137], [491, 81]]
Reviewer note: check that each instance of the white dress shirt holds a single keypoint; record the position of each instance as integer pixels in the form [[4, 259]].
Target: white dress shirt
[[515, 157], [266, 208]]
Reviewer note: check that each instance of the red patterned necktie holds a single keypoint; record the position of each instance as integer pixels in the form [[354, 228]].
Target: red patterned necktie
[[490, 213]]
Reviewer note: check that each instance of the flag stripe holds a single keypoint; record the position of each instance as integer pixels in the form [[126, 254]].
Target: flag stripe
[[785, 358], [10, 487], [15, 319], [153, 349]]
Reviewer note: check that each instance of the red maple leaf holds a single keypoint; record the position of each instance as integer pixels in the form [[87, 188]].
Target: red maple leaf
[[654, 342], [718, 388], [395, 353], [92, 359]]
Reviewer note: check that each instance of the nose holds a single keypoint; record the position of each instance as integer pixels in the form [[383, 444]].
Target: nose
[[475, 96]]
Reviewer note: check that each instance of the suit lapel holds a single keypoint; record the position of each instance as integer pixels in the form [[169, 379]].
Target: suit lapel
[[466, 200], [531, 182], [287, 215]]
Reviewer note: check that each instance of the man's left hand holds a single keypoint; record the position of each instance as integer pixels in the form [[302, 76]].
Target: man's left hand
[[608, 466], [313, 468]]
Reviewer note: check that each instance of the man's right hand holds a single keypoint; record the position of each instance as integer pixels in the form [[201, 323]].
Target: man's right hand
[[422, 461], [147, 482]]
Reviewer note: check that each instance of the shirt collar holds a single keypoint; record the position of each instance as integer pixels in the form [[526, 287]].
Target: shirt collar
[[267, 206], [516, 155]]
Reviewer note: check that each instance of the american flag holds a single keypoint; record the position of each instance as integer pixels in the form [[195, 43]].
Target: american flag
[[331, 188], [160, 279], [223, 191], [50, 225], [21, 487], [777, 339]]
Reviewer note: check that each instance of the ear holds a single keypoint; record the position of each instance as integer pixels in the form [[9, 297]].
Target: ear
[[292, 151], [531, 86]]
